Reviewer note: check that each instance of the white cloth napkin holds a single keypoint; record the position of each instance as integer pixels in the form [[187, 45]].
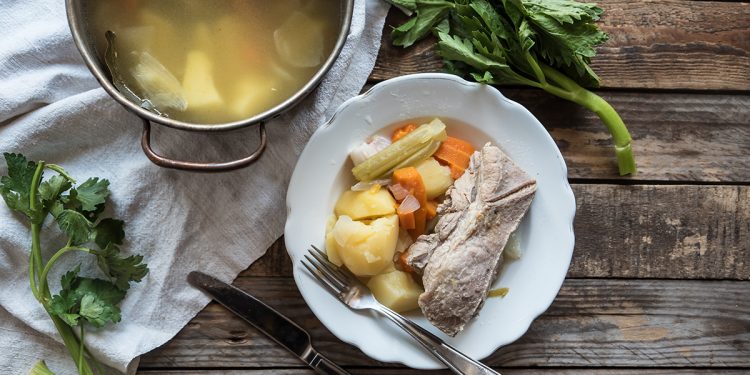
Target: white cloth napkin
[[52, 109]]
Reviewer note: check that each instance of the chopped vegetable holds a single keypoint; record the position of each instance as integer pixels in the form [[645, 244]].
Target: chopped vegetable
[[364, 186], [198, 82], [499, 292], [546, 44], [437, 178], [406, 210], [431, 209], [366, 249], [406, 220], [396, 289], [81, 301], [368, 204], [409, 204], [456, 159], [399, 191], [404, 241], [403, 264], [420, 140], [459, 144], [368, 149], [402, 131], [410, 179]]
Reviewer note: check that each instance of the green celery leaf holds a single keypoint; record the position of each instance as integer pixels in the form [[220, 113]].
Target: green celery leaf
[[477, 56], [564, 11], [76, 226], [428, 14], [91, 194], [16, 186], [459, 49], [123, 270], [406, 4], [50, 190], [108, 231], [97, 311], [566, 36], [100, 305]]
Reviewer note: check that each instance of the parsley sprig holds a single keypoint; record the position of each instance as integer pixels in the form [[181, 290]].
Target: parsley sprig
[[546, 44], [77, 211]]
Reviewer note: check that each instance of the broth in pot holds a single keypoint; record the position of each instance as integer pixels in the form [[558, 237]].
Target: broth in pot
[[217, 61]]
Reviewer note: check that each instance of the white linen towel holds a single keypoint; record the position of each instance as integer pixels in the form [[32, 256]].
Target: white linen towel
[[52, 109]]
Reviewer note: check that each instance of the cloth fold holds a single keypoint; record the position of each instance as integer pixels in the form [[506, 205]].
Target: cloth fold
[[52, 109]]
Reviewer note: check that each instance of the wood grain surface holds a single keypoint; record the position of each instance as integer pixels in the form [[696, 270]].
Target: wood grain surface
[[593, 322], [676, 137], [654, 44], [639, 231]]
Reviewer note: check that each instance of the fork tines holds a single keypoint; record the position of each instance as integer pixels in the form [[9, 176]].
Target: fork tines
[[326, 272]]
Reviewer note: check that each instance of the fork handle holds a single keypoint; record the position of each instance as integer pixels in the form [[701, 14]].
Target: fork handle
[[456, 361]]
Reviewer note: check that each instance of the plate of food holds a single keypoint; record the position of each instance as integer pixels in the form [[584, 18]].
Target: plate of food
[[449, 200]]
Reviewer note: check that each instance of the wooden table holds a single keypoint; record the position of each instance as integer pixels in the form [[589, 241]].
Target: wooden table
[[660, 279]]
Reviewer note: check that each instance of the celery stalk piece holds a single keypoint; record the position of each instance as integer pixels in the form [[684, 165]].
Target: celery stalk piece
[[423, 153], [393, 155]]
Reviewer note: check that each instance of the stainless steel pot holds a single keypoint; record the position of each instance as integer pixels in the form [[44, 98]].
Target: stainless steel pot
[[78, 19]]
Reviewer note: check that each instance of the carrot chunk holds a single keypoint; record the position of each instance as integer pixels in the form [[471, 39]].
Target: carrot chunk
[[411, 180], [404, 265], [420, 223], [402, 131], [459, 144], [406, 220], [451, 156], [456, 172]]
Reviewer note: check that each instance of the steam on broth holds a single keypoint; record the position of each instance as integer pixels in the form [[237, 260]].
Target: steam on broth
[[217, 61]]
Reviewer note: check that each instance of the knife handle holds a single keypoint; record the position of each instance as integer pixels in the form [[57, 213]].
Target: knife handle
[[322, 365]]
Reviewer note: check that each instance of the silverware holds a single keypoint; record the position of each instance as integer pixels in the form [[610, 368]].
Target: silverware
[[352, 292], [269, 321]]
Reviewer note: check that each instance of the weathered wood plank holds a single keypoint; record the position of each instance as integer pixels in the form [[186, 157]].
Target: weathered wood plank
[[592, 323], [639, 231], [407, 371], [676, 137], [670, 44]]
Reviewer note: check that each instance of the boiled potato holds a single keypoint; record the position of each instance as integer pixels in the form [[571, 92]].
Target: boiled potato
[[332, 248], [300, 41], [366, 249], [437, 178], [396, 290], [253, 94], [198, 82], [367, 204]]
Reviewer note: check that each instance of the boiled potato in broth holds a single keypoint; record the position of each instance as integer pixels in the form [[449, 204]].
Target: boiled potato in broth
[[217, 61]]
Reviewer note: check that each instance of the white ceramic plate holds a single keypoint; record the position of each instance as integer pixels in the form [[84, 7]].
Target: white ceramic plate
[[475, 112]]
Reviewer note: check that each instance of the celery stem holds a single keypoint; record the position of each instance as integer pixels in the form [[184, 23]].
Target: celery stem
[[570, 90]]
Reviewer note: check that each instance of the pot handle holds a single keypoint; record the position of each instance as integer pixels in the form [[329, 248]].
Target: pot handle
[[165, 162]]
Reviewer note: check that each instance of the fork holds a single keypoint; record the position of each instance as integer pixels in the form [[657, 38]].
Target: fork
[[355, 294]]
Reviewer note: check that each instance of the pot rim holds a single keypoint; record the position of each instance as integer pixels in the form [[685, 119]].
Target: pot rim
[[96, 67]]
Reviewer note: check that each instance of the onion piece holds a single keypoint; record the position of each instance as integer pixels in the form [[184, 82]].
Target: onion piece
[[367, 185], [404, 241], [366, 150], [399, 191], [409, 204]]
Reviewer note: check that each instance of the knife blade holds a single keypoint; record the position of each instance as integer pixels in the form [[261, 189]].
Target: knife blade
[[269, 321]]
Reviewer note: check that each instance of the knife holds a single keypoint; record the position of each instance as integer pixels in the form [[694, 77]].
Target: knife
[[269, 321]]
